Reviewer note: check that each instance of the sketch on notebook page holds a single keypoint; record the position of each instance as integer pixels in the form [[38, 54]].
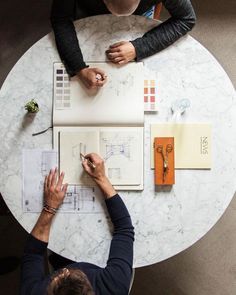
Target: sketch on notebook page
[[121, 152], [118, 147], [72, 144], [120, 87]]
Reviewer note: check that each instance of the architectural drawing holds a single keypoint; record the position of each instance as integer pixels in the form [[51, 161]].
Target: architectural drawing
[[81, 199], [121, 151], [118, 146], [36, 165]]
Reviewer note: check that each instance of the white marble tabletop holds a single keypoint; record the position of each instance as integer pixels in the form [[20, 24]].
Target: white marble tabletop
[[166, 222]]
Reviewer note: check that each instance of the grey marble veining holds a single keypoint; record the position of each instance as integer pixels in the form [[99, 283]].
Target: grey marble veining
[[166, 222]]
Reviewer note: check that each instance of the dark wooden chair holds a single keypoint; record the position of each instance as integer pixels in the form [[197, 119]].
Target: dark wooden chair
[[157, 11]]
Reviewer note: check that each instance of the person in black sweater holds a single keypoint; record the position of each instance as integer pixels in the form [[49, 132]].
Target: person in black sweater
[[79, 278], [64, 12]]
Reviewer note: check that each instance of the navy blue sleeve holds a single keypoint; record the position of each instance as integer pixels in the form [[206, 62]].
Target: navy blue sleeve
[[32, 267], [116, 276], [181, 21]]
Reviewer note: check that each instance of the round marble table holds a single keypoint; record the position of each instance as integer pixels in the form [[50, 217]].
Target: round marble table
[[166, 222]]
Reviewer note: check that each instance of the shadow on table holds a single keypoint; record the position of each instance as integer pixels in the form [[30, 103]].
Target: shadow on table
[[163, 188]]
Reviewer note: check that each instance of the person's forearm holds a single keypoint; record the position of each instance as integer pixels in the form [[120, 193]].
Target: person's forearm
[[33, 258], [181, 21], [42, 227], [68, 47], [106, 187], [62, 17], [121, 250]]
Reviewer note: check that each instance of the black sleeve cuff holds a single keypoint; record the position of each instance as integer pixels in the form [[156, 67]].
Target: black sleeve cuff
[[74, 71]]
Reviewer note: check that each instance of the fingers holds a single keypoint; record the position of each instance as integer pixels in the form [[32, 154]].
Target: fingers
[[99, 71], [118, 60], [45, 182], [97, 82], [54, 177], [49, 182], [112, 56], [86, 167], [100, 83], [60, 180], [123, 61], [64, 188], [93, 77], [94, 158], [117, 44], [113, 50], [116, 55], [51, 179]]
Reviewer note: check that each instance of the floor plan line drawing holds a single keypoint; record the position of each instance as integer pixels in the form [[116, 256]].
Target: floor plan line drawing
[[80, 199], [36, 165]]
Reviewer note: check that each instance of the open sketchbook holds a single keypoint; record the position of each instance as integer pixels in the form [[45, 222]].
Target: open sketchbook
[[108, 121]]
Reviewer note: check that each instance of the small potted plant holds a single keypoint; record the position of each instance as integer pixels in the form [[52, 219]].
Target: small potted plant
[[32, 106]]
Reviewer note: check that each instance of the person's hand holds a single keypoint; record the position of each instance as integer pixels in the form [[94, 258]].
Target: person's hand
[[92, 77], [121, 52], [98, 173], [54, 190]]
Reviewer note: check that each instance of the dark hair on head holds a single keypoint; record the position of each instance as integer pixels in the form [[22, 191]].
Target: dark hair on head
[[73, 284]]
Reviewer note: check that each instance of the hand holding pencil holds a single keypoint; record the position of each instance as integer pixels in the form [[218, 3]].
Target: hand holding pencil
[[94, 165], [83, 158]]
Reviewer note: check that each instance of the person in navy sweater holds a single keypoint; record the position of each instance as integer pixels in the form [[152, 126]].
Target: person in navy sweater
[[79, 278]]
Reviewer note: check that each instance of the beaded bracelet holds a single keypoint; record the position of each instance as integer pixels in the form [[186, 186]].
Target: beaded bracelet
[[50, 209]]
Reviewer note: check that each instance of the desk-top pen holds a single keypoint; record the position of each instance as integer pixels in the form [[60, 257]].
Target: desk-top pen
[[89, 162]]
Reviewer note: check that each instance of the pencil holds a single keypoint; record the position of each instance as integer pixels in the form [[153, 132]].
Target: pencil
[[89, 162]]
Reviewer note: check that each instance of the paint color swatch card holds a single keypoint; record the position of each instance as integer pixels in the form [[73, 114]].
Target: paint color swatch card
[[108, 120], [61, 87], [150, 95], [192, 144]]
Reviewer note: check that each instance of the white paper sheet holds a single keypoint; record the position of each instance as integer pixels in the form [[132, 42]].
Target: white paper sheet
[[36, 165]]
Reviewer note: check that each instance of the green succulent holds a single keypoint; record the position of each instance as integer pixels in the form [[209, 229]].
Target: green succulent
[[32, 106]]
